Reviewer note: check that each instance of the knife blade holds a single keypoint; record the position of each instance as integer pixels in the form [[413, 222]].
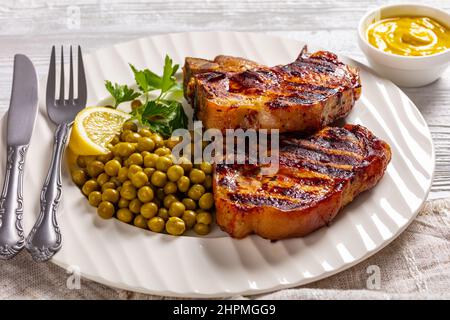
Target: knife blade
[[24, 102], [20, 123]]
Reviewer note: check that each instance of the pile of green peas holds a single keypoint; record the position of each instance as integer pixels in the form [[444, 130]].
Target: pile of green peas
[[140, 182]]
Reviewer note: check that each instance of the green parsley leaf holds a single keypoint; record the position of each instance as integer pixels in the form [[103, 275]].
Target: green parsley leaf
[[120, 93], [164, 116], [146, 79], [139, 77], [168, 79]]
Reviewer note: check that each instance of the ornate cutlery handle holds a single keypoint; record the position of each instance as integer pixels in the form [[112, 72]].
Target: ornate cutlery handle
[[12, 239], [44, 239]]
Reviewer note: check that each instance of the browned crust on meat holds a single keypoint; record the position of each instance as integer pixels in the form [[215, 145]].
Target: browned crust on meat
[[317, 177], [305, 95], [222, 63]]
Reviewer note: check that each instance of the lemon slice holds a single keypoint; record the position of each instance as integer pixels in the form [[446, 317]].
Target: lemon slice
[[94, 128]]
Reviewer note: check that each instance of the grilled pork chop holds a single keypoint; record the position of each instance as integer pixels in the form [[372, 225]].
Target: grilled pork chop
[[305, 95], [317, 176]]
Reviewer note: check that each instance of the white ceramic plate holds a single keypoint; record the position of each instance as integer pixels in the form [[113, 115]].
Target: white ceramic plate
[[123, 256]]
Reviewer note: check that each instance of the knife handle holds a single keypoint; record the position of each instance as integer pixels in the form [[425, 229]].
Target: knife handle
[[11, 203], [45, 239]]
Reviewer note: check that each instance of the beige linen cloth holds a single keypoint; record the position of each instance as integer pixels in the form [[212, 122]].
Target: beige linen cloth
[[414, 266]]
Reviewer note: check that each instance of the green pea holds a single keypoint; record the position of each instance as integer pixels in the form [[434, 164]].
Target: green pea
[[112, 167], [175, 172], [206, 167], [176, 209], [172, 142], [156, 224], [163, 151], [149, 172], [196, 191], [83, 161], [170, 187], [94, 168], [136, 158], [115, 140], [197, 176], [204, 217], [206, 201], [208, 182], [158, 179], [168, 200], [102, 179], [127, 183], [130, 125], [185, 163], [159, 141], [183, 184], [189, 204], [79, 177], [116, 181], [150, 160], [135, 104], [89, 186], [105, 157], [122, 174], [123, 149], [123, 203], [201, 229], [105, 210], [144, 154], [175, 226], [145, 194], [145, 144], [111, 195], [95, 197], [149, 210], [124, 215], [139, 179], [163, 213], [140, 222], [124, 134], [108, 185], [135, 206], [144, 132], [132, 137], [189, 218], [163, 163], [128, 192], [133, 169]]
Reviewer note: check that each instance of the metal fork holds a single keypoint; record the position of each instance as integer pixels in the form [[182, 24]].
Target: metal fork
[[45, 238]]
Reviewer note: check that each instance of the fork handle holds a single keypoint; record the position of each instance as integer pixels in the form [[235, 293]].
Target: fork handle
[[44, 239], [12, 239]]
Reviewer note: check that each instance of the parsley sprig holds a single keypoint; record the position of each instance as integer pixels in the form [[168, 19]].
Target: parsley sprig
[[121, 93], [163, 114]]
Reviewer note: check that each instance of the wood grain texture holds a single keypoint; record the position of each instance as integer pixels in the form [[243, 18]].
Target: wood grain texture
[[32, 26]]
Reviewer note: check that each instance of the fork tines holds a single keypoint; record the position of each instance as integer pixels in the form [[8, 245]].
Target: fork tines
[[52, 102], [51, 82]]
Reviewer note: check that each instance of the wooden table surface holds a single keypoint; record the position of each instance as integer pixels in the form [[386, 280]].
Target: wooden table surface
[[32, 26]]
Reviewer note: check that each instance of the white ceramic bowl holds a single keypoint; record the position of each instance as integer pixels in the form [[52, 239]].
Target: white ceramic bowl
[[404, 71]]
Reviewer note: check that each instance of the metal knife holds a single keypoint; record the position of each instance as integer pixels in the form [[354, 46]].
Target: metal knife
[[21, 118]]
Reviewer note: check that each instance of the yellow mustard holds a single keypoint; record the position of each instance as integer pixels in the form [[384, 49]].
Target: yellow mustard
[[409, 36]]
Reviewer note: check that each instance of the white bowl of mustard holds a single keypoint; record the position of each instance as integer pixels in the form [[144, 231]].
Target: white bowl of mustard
[[406, 43]]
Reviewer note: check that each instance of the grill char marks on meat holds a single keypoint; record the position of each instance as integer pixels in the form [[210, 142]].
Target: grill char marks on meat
[[305, 95], [317, 176]]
